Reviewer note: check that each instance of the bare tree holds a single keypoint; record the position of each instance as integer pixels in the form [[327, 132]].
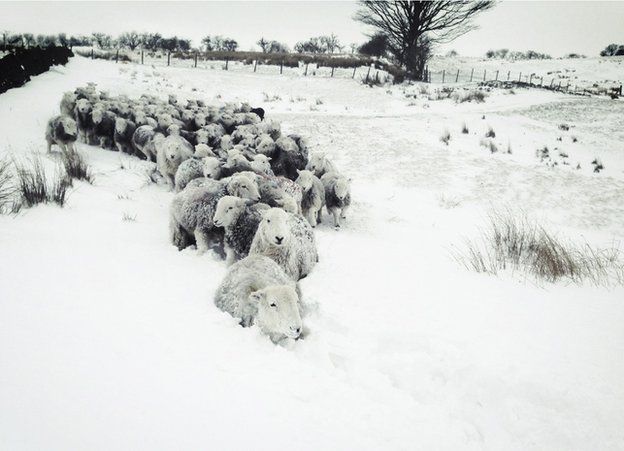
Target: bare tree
[[130, 39], [412, 25], [264, 45], [103, 40]]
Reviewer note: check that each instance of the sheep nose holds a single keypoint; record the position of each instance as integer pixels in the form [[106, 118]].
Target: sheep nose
[[279, 239]]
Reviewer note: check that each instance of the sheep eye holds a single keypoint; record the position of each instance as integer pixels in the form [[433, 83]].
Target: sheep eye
[[268, 221]]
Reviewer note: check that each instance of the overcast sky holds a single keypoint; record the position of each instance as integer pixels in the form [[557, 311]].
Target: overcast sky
[[553, 27]]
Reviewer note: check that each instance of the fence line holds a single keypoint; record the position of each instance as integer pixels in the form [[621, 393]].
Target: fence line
[[528, 80]]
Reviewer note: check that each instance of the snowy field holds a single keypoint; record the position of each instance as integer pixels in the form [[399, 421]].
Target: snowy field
[[109, 338]]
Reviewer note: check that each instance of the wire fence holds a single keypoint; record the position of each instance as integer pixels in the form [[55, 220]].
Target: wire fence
[[458, 76]]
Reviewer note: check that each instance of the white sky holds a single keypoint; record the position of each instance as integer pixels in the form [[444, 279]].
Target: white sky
[[551, 27]]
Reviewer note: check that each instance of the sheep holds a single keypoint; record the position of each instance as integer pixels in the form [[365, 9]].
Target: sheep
[[103, 127], [62, 131], [170, 153], [289, 240], [192, 210], [144, 138], [124, 131], [215, 133], [261, 164], [319, 165], [265, 145], [203, 150], [313, 197], [141, 118], [258, 111], [256, 291], [84, 120], [236, 162], [239, 219], [164, 122], [337, 195], [212, 168], [68, 103], [288, 158], [188, 170]]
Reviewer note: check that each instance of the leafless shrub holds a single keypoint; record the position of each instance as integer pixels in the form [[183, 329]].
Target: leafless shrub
[[76, 167], [7, 186], [513, 242], [474, 95], [127, 217], [598, 166], [464, 129], [489, 144], [33, 185], [490, 132], [445, 137]]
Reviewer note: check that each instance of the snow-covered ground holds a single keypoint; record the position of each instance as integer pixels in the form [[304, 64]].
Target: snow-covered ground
[[109, 338]]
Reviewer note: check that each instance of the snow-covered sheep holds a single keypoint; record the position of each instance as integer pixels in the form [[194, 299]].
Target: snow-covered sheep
[[288, 158], [68, 103], [240, 219], [144, 139], [265, 145], [103, 127], [170, 153], [313, 196], [212, 168], [84, 120], [164, 122], [258, 292], [261, 164], [141, 118], [236, 162], [289, 240], [271, 127], [202, 137], [319, 164], [203, 150], [188, 170], [124, 131], [192, 210], [62, 131], [215, 133], [337, 195]]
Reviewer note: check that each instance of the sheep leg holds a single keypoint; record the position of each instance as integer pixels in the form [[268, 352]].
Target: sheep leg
[[343, 214], [311, 217], [49, 146], [171, 182], [319, 215], [202, 240], [336, 213], [119, 147], [230, 256], [179, 236]]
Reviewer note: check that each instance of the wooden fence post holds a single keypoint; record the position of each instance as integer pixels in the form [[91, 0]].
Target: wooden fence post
[[195, 59], [443, 73], [332, 74], [483, 74], [471, 74], [496, 79], [559, 87], [551, 82], [169, 58], [255, 64], [457, 76], [520, 77], [226, 63], [141, 56], [620, 89], [531, 80], [354, 69], [91, 53], [306, 70], [508, 75], [117, 56], [377, 76], [368, 73], [541, 81], [281, 66]]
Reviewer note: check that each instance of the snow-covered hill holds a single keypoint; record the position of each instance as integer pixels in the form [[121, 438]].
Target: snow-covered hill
[[109, 338]]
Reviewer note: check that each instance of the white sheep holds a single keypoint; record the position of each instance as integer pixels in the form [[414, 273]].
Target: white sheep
[[313, 196], [192, 210], [170, 153], [319, 164], [289, 240], [261, 164], [240, 219], [258, 292], [337, 195], [62, 131]]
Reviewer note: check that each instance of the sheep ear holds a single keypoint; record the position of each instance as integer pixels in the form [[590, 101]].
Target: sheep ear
[[298, 172], [269, 158]]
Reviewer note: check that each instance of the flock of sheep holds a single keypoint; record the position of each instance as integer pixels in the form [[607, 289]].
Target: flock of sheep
[[242, 189]]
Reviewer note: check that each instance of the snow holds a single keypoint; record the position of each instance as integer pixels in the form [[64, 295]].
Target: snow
[[109, 338]]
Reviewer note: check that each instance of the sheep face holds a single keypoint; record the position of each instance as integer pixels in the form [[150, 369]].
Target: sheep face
[[203, 150], [261, 165], [97, 115], [242, 186], [228, 209], [173, 100], [317, 164], [305, 180], [212, 168], [278, 312], [342, 188], [83, 106], [124, 109], [69, 126], [140, 118], [200, 120], [173, 129], [274, 227], [226, 142], [202, 137], [164, 121], [120, 125], [236, 160]]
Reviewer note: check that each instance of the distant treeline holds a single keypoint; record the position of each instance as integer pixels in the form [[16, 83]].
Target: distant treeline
[[19, 65]]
